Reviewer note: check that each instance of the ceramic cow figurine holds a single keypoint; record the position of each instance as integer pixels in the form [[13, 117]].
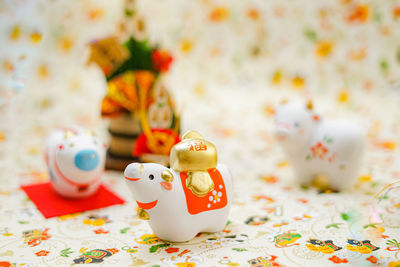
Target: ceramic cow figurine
[[328, 150], [75, 159], [192, 196]]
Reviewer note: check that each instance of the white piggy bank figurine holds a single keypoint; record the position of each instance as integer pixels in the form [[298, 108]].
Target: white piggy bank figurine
[[75, 159], [320, 148], [193, 196]]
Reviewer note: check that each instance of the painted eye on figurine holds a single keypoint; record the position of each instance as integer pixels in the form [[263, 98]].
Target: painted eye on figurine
[[296, 124], [151, 176]]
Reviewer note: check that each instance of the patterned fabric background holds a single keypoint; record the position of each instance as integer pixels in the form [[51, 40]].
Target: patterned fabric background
[[233, 64]]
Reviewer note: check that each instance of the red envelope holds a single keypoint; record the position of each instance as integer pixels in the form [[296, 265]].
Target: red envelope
[[51, 204]]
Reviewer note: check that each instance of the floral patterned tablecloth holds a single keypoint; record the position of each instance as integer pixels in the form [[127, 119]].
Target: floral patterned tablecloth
[[233, 64]]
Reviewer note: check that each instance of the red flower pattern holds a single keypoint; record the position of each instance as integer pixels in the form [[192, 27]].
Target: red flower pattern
[[337, 260], [42, 253], [319, 150], [172, 250], [35, 237], [113, 250], [372, 259], [100, 231]]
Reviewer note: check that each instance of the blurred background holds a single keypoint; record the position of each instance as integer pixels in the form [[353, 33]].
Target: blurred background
[[233, 62]]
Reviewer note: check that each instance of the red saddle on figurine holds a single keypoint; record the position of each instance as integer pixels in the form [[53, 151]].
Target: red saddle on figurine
[[215, 199]]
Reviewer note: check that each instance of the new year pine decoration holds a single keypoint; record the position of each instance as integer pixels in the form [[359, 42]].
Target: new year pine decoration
[[143, 122]]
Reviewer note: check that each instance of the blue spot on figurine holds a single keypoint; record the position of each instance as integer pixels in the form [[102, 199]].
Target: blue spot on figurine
[[86, 160]]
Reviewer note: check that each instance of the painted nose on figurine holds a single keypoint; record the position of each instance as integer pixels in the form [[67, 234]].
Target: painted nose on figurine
[[133, 171], [282, 131], [87, 160]]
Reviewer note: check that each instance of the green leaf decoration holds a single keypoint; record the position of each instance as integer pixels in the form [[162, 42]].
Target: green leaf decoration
[[149, 238], [327, 139], [65, 252], [393, 242], [345, 216], [369, 225], [304, 187], [375, 184], [310, 34], [124, 230], [23, 222], [384, 65], [129, 13], [139, 59], [239, 249], [295, 235], [377, 17], [157, 247], [333, 225], [308, 157]]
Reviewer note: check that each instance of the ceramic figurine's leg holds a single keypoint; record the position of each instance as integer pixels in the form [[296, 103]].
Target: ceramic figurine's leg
[[176, 236], [214, 228], [339, 183], [302, 175], [218, 223], [343, 177]]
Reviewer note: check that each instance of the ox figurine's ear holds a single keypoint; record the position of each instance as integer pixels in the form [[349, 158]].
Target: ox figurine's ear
[[91, 133], [167, 176], [309, 105], [69, 134]]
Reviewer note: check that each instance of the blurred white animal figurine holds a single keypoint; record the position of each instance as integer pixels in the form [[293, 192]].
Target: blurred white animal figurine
[[320, 148], [193, 196], [75, 159]]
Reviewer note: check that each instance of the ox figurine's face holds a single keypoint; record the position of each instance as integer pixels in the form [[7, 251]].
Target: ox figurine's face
[[293, 125], [80, 157], [147, 182]]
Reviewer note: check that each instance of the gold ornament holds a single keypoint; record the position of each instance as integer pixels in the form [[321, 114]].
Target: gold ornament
[[141, 168], [321, 182], [200, 183], [195, 156], [68, 135], [142, 214], [309, 105], [108, 53], [167, 176], [193, 153]]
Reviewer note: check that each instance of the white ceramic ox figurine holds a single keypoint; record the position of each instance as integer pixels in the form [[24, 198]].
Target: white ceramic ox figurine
[[322, 151], [192, 196], [75, 159]]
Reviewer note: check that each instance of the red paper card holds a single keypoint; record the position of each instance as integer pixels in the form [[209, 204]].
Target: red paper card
[[51, 204]]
